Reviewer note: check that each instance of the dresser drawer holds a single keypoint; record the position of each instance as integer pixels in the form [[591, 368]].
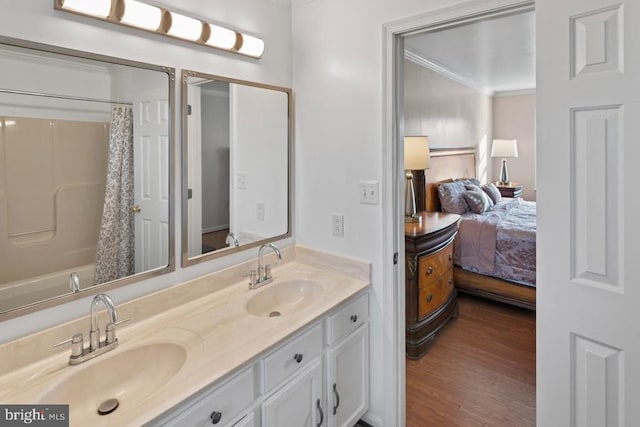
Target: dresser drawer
[[348, 318], [293, 356], [431, 267], [229, 400], [432, 296]]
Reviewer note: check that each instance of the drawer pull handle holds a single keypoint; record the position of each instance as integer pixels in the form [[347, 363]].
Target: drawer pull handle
[[335, 391], [215, 417], [321, 413], [297, 357], [354, 318], [429, 297], [429, 271], [451, 281], [450, 257]]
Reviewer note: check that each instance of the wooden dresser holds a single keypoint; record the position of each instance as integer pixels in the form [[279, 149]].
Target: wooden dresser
[[429, 291]]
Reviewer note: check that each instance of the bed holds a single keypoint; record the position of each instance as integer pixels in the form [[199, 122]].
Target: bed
[[503, 269]]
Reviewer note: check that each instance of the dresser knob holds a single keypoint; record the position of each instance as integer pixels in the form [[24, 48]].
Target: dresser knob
[[451, 281], [298, 357], [429, 271], [450, 257], [354, 318], [429, 298]]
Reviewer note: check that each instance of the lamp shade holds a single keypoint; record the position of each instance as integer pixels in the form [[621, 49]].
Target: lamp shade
[[416, 153], [504, 148]]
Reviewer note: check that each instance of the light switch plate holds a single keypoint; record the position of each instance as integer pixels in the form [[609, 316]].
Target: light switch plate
[[369, 192], [242, 180]]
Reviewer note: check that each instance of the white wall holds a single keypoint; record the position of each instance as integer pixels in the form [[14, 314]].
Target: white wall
[[338, 79], [451, 114], [259, 132], [215, 156], [514, 117], [36, 20]]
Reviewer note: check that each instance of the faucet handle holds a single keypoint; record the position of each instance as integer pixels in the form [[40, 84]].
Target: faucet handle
[[253, 278], [77, 344]]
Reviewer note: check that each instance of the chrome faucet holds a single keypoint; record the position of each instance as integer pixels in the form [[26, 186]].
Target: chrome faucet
[[263, 275], [79, 353], [74, 282], [232, 238], [110, 332]]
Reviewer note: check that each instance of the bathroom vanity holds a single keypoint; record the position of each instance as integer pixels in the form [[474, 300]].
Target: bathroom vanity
[[293, 353]]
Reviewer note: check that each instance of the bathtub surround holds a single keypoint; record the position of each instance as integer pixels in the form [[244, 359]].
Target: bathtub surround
[[115, 254]]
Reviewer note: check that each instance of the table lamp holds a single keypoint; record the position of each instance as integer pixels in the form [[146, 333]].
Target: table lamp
[[504, 148], [416, 157]]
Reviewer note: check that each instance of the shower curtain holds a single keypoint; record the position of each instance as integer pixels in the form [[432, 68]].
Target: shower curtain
[[115, 252]]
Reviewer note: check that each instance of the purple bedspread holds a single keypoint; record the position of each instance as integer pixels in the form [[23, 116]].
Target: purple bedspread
[[500, 243]]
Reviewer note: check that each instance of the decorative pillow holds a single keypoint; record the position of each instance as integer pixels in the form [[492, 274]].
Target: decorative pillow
[[493, 192], [469, 181], [478, 201], [451, 197]]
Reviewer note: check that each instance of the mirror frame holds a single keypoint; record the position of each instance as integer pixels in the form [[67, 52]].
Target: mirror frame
[[186, 260], [171, 264]]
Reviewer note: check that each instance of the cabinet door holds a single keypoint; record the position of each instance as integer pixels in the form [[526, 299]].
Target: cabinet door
[[348, 388], [299, 403], [250, 420]]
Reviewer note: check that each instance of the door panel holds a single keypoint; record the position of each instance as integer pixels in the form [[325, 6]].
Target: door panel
[[588, 104]]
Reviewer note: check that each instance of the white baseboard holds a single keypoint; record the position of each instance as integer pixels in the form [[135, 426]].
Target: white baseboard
[[215, 228], [372, 419]]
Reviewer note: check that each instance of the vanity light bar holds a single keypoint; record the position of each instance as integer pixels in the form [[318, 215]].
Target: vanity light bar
[[143, 16]]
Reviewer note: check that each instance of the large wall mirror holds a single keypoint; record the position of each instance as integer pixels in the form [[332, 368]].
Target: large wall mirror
[[86, 193], [237, 164]]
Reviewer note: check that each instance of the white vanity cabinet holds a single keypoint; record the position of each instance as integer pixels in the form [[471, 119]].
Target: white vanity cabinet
[[319, 378], [348, 386], [299, 402]]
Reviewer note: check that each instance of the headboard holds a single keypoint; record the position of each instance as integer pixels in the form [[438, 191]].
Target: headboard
[[447, 165]]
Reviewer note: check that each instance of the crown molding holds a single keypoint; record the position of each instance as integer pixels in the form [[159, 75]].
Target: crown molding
[[416, 58], [504, 93]]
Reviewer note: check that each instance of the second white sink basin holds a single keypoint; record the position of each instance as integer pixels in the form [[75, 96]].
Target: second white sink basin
[[284, 298], [131, 377]]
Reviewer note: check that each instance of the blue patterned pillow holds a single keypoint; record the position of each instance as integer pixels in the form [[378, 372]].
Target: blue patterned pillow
[[493, 192], [478, 201], [451, 198]]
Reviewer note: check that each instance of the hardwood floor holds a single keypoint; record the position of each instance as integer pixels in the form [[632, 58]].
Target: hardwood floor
[[479, 371]]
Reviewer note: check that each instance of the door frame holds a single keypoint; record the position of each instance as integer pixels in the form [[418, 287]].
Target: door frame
[[393, 313]]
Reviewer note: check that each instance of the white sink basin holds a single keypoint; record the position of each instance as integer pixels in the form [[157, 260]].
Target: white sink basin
[[131, 377], [284, 298]]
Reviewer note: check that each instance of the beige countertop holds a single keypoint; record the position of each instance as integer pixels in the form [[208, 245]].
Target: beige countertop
[[217, 332]]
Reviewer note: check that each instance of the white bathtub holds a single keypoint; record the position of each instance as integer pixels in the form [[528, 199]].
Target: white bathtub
[[24, 292]]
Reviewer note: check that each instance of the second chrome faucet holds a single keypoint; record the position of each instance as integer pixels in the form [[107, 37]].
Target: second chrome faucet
[[263, 275]]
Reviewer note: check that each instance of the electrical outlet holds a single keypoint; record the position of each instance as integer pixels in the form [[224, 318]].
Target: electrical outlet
[[242, 180], [338, 225], [369, 192], [260, 211]]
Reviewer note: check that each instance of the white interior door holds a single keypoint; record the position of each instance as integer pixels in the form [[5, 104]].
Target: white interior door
[[588, 134], [151, 164], [194, 179]]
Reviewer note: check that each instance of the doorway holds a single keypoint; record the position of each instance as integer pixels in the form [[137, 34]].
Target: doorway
[[396, 35]]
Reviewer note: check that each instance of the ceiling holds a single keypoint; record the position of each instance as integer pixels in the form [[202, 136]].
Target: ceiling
[[492, 55]]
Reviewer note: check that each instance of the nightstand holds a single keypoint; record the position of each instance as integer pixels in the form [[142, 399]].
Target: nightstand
[[429, 292], [513, 189]]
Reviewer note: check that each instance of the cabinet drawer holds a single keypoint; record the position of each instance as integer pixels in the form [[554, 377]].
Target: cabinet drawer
[[229, 400], [348, 318], [431, 267], [293, 356], [432, 296]]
